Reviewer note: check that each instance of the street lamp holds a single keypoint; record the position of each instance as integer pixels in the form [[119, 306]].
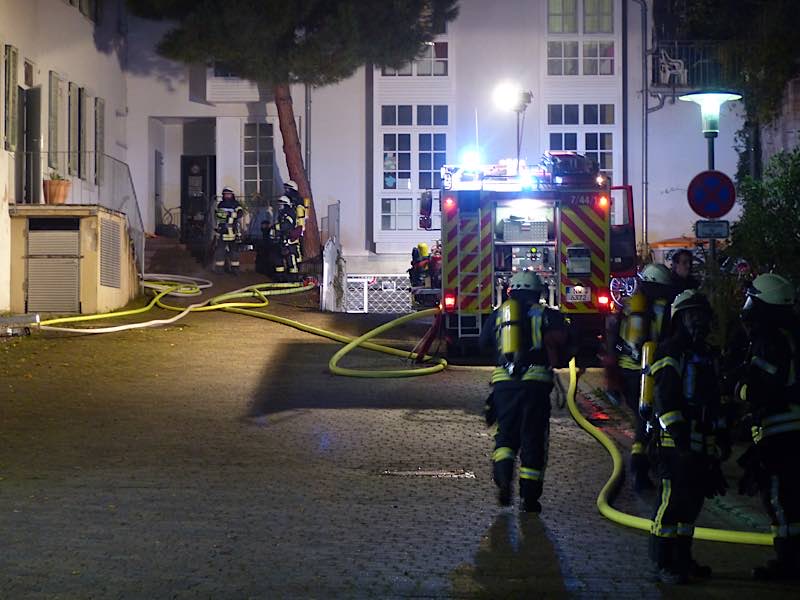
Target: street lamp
[[510, 96], [710, 103]]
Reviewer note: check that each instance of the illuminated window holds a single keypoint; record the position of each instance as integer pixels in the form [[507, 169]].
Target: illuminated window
[[258, 160], [598, 16], [404, 71], [598, 58], [397, 214], [562, 16], [562, 58], [396, 161], [433, 61]]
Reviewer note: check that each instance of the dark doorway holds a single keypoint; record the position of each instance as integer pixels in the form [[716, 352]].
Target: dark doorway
[[198, 182], [28, 162]]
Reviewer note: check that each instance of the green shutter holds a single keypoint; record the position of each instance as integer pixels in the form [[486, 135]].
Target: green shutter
[[83, 105], [74, 132], [11, 99], [52, 121], [99, 140]]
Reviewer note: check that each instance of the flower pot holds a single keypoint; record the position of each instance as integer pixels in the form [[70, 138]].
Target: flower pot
[[55, 190]]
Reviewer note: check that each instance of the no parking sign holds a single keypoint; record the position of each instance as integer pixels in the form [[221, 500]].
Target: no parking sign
[[711, 194]]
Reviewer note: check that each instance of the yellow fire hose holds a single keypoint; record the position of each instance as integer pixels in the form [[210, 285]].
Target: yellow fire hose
[[603, 499], [229, 303]]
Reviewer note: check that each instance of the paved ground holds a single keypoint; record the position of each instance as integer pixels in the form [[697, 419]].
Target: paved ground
[[220, 459]]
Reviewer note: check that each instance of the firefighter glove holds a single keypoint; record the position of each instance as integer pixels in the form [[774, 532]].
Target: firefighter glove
[[716, 484]]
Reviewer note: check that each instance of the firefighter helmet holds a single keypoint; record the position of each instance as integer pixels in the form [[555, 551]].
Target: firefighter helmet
[[424, 250], [285, 201], [227, 190], [655, 273], [771, 288], [526, 281], [291, 184], [690, 299]]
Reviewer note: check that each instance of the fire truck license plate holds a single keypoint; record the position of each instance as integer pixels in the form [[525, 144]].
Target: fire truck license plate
[[579, 293]]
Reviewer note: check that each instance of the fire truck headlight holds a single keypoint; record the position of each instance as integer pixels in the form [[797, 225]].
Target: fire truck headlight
[[602, 202], [558, 180], [449, 203], [600, 180]]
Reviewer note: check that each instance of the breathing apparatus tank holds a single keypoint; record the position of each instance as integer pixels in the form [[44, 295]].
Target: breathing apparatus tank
[[510, 331], [647, 392]]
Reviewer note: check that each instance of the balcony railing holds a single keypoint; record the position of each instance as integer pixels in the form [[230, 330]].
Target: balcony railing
[[104, 181], [684, 65]]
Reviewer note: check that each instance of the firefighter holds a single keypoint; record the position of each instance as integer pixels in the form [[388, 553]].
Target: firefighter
[[229, 232], [420, 264], [771, 391], [522, 382], [289, 236], [641, 320], [691, 436]]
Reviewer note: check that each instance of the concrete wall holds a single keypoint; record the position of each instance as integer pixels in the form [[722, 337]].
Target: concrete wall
[[55, 36]]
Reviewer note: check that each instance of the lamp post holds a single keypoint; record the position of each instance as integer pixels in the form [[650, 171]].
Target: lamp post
[[510, 96], [710, 103]]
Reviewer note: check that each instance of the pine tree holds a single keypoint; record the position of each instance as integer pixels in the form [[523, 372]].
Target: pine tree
[[281, 42]]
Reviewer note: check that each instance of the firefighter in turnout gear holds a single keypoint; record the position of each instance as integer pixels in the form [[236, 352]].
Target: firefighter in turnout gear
[[289, 234], [229, 232], [691, 436], [522, 382], [641, 321], [771, 391]]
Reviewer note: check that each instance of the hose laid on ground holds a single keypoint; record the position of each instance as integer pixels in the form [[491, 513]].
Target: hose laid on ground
[[178, 285], [604, 497]]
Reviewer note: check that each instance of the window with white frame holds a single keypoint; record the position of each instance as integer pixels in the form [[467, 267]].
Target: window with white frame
[[436, 114], [598, 16], [433, 60], [404, 71], [400, 114], [397, 214], [564, 141], [562, 114], [562, 16], [432, 155], [599, 147], [562, 57], [258, 161], [396, 161], [598, 58], [598, 114]]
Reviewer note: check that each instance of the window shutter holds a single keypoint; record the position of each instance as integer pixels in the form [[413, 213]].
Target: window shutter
[[74, 157], [52, 121], [11, 99], [99, 140], [83, 158]]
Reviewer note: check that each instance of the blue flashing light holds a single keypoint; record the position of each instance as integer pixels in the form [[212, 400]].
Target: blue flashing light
[[470, 157]]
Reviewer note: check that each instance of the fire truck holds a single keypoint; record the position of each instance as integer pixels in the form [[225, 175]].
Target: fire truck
[[554, 218]]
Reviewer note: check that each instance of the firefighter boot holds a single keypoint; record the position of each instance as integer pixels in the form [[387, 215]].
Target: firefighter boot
[[784, 566], [685, 564], [639, 468], [662, 553], [530, 490], [503, 472]]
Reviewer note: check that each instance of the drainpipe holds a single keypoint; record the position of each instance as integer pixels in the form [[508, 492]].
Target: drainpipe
[[645, 95], [307, 135]]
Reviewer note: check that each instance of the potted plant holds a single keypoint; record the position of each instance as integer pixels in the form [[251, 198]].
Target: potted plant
[[56, 189]]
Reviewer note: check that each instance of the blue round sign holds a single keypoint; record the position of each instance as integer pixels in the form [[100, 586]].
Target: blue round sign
[[711, 194]]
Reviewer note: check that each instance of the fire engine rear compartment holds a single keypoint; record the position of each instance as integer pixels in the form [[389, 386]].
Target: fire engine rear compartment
[[562, 235]]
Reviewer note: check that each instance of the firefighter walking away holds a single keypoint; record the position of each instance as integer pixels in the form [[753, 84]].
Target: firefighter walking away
[[529, 339], [633, 336], [229, 232], [771, 392], [691, 437]]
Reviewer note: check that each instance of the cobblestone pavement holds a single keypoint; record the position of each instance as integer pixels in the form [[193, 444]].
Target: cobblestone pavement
[[219, 459]]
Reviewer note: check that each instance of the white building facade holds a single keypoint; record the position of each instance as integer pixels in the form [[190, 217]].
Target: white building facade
[[372, 143]]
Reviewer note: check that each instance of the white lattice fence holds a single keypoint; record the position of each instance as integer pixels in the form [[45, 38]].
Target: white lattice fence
[[386, 293]]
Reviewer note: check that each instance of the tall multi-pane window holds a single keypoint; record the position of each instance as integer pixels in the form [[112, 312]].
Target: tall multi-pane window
[[392, 114], [598, 58], [562, 16], [599, 147], [562, 114], [598, 16], [396, 161], [433, 60], [258, 161], [397, 214], [598, 114], [563, 141], [404, 71], [432, 157], [562, 58]]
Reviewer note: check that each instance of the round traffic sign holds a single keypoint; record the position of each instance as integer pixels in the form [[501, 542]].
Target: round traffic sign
[[711, 194]]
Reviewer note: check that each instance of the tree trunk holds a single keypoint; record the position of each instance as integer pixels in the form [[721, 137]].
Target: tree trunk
[[294, 162]]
